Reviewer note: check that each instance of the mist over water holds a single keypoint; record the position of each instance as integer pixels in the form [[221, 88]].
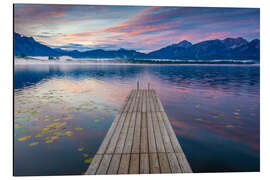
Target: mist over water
[[63, 112]]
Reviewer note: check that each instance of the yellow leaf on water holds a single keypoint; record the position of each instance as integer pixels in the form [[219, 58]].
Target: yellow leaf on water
[[80, 149], [68, 133], [49, 141], [78, 129], [45, 130], [89, 160], [54, 137], [34, 144], [85, 155], [24, 138]]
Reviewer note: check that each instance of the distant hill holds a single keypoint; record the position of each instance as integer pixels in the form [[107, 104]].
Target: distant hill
[[229, 48], [30, 47]]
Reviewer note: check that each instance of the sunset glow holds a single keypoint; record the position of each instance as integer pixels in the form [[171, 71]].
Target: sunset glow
[[132, 27]]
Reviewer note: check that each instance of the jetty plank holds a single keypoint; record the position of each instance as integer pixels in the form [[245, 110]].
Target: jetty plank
[[114, 164], [154, 163], [144, 163], [140, 140], [124, 164], [151, 136], [104, 164]]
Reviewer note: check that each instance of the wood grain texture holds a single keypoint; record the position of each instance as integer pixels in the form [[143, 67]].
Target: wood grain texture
[[140, 140]]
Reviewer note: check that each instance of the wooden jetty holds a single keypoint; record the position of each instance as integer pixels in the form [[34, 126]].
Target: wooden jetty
[[140, 140]]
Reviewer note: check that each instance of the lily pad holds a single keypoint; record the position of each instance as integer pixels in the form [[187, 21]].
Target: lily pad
[[78, 129], [34, 144], [88, 161], [45, 130], [54, 137], [68, 133], [236, 113], [198, 119], [24, 138], [85, 155], [96, 120], [49, 141], [80, 149]]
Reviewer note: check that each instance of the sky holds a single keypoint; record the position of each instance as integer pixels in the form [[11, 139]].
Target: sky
[[142, 28]]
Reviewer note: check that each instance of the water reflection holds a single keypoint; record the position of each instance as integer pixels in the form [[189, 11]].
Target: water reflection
[[214, 111]]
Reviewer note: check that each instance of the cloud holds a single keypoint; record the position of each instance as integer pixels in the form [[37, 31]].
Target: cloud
[[134, 27]]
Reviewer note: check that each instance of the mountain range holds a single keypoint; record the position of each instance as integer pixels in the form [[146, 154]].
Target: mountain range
[[229, 48]]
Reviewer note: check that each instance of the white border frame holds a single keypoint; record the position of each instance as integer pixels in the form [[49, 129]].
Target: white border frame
[[7, 86]]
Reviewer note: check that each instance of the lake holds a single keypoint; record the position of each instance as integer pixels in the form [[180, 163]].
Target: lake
[[62, 112]]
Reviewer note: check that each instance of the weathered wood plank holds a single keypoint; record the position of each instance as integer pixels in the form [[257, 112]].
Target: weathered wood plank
[[151, 136], [164, 133], [144, 101], [144, 136], [124, 164], [158, 138], [103, 167], [137, 134], [175, 143], [114, 164], [109, 135], [92, 169], [116, 134], [134, 164], [164, 163], [154, 101], [129, 139], [126, 100], [139, 102], [135, 108], [123, 134], [152, 106], [132, 104], [184, 165], [161, 108], [144, 164], [130, 101], [175, 168], [154, 164]]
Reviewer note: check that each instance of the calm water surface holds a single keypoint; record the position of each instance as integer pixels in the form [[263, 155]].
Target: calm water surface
[[62, 113]]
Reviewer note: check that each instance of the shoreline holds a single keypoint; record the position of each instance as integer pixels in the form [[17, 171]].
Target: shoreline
[[33, 61]]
